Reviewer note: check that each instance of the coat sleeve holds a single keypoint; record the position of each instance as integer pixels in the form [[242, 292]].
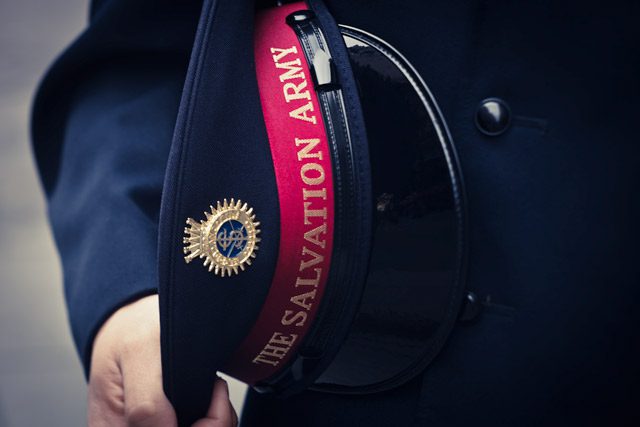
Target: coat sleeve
[[102, 124]]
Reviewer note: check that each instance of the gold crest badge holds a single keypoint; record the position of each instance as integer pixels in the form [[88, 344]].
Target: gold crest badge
[[227, 238]]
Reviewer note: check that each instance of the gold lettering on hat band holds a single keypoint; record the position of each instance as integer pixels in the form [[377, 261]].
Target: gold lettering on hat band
[[293, 70], [302, 162]]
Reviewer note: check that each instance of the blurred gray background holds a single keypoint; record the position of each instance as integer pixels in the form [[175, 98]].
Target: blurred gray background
[[41, 381]]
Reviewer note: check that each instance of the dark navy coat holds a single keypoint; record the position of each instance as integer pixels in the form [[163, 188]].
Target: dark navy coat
[[553, 200]]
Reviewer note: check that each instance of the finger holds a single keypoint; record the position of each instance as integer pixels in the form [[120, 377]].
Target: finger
[[145, 403], [144, 400], [221, 412], [105, 406]]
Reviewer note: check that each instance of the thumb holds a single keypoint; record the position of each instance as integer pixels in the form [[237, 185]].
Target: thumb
[[221, 412]]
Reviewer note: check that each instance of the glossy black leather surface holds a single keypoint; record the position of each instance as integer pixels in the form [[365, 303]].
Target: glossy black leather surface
[[414, 287]]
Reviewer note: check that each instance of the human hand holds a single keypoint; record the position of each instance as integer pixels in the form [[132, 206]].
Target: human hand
[[125, 382]]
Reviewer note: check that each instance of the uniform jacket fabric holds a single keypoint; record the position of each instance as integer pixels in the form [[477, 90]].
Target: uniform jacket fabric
[[552, 201]]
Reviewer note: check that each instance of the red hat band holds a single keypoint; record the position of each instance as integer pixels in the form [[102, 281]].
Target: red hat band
[[304, 177]]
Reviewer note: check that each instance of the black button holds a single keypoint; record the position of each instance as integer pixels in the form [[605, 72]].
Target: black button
[[493, 116], [471, 307]]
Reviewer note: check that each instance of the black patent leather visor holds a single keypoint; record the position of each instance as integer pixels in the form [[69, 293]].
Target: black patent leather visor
[[414, 288]]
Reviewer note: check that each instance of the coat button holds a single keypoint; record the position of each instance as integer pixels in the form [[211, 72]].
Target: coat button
[[493, 116], [471, 307]]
